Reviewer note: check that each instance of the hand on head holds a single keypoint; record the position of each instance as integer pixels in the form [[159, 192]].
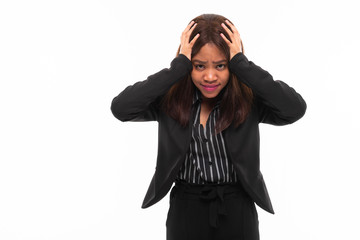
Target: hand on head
[[186, 45], [234, 43]]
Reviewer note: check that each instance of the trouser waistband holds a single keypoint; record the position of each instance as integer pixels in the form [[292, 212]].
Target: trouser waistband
[[214, 194]]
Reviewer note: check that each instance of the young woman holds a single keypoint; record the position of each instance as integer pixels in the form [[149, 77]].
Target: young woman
[[209, 104]]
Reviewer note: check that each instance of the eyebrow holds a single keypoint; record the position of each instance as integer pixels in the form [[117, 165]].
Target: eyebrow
[[202, 62]]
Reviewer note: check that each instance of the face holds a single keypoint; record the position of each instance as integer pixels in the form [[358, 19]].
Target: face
[[210, 72]]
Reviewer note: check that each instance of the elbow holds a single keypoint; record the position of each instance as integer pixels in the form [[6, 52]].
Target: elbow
[[117, 110], [302, 109], [292, 114], [297, 111]]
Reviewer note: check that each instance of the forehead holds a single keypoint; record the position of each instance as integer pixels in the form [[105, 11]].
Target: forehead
[[210, 52]]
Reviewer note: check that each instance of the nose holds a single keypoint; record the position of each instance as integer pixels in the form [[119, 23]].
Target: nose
[[210, 75]]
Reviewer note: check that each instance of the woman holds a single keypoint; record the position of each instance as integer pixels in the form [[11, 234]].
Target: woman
[[209, 104]]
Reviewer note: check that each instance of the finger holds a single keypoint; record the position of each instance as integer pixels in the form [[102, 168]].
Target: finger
[[225, 38], [192, 28], [227, 29], [188, 27], [230, 34], [188, 34], [232, 27], [194, 39]]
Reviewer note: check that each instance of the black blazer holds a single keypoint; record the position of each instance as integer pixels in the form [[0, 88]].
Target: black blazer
[[274, 103]]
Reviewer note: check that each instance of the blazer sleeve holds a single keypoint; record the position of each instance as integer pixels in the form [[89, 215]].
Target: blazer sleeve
[[139, 102], [277, 103]]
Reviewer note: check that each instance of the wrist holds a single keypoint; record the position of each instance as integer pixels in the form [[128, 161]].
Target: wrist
[[232, 54], [188, 55], [181, 58]]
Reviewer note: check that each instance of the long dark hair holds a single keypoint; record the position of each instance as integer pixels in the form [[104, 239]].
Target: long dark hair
[[236, 97]]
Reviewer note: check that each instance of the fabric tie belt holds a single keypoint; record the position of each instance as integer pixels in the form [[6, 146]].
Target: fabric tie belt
[[215, 194]]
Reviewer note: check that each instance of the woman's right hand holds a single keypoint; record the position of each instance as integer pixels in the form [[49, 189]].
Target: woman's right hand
[[185, 45]]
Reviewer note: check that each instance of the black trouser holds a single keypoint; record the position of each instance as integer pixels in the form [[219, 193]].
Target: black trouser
[[211, 212]]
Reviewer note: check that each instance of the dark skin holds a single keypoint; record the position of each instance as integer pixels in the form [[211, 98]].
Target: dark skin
[[208, 73], [205, 112]]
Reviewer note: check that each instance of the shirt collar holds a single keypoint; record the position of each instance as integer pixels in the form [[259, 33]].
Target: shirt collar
[[197, 98]]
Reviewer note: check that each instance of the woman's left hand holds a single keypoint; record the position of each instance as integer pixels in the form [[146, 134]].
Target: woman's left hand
[[235, 44]]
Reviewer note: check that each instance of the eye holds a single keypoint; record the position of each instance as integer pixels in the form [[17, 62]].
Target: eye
[[221, 66], [199, 67]]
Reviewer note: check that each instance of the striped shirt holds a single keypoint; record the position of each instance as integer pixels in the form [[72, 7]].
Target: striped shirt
[[206, 160]]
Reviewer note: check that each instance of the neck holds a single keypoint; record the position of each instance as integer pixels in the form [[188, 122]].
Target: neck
[[209, 102]]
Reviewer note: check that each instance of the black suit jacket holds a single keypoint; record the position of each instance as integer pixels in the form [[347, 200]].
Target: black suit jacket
[[275, 103]]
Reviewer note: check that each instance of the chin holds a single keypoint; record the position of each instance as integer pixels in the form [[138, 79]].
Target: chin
[[209, 95]]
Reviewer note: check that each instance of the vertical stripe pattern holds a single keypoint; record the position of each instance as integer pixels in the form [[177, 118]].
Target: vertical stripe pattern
[[206, 160]]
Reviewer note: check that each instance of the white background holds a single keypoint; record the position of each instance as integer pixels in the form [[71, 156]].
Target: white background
[[70, 170]]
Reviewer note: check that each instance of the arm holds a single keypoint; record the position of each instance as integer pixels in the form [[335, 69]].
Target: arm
[[278, 103], [139, 102]]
